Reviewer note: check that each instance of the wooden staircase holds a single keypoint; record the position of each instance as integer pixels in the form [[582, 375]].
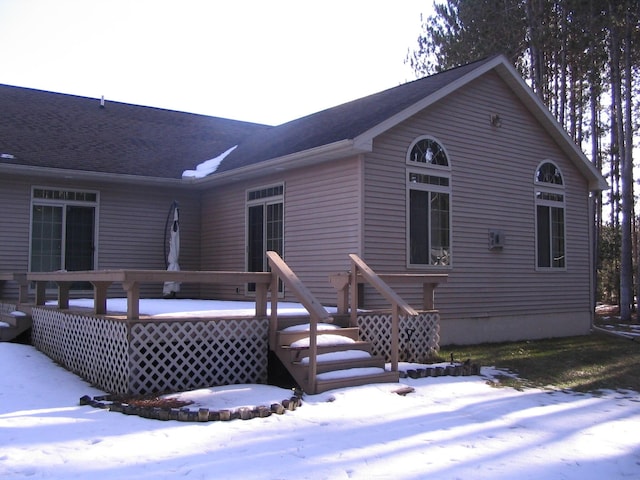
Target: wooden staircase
[[13, 324], [342, 360], [319, 356]]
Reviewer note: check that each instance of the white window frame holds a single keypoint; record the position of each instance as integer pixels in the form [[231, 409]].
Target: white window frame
[[548, 188], [264, 201], [427, 169], [63, 203]]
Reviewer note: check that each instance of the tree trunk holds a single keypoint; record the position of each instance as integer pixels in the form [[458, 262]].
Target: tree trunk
[[626, 180]]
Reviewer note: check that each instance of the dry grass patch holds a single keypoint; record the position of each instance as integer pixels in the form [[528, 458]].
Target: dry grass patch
[[585, 364]]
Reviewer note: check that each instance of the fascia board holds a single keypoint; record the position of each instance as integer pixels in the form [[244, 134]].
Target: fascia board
[[313, 156], [68, 174], [513, 79], [367, 137], [539, 110]]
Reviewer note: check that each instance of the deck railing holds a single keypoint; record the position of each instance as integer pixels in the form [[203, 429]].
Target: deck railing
[[346, 283], [131, 280], [316, 311]]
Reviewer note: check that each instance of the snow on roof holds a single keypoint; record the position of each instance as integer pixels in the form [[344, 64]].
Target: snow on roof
[[207, 167]]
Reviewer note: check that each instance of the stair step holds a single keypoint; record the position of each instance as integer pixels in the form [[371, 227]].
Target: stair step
[[297, 353], [344, 355], [13, 324], [326, 332], [324, 340], [353, 377], [343, 360]]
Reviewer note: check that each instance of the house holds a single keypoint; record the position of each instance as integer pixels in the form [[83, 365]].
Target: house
[[464, 173]]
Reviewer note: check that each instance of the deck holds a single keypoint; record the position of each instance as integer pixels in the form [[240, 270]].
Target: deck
[[137, 353]]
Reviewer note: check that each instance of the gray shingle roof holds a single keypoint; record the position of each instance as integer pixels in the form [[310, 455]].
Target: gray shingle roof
[[344, 122], [45, 129]]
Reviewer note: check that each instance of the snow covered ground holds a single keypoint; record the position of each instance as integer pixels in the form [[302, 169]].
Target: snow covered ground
[[448, 428]]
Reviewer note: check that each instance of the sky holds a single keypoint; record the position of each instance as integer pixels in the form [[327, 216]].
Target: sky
[[252, 60], [446, 428]]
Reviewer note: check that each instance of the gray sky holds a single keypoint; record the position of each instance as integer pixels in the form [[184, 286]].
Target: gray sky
[[262, 61]]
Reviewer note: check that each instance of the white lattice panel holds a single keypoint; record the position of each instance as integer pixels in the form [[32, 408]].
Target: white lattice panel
[[182, 355], [48, 333], [94, 348], [419, 337], [7, 308]]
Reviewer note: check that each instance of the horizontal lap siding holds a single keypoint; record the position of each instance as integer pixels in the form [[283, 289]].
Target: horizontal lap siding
[[15, 197], [322, 224], [492, 187], [132, 231], [130, 219], [223, 237]]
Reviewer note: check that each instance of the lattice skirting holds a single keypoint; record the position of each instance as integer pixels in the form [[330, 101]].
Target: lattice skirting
[[182, 355], [7, 308], [151, 357], [419, 338], [94, 348]]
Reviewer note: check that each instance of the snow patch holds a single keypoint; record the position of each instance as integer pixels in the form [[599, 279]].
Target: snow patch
[[338, 356], [305, 327], [207, 167], [323, 341], [349, 372]]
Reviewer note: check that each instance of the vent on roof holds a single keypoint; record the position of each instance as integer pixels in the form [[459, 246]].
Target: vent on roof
[[7, 156], [102, 101]]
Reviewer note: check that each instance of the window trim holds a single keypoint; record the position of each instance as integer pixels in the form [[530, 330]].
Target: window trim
[[63, 203], [553, 189], [441, 171], [264, 200]]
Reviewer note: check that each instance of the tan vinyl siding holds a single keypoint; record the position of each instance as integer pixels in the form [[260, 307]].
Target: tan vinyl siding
[[321, 224], [130, 227], [132, 231], [15, 197], [223, 237], [492, 187]]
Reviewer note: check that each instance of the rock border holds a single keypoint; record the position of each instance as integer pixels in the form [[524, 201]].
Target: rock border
[[185, 414], [455, 370]]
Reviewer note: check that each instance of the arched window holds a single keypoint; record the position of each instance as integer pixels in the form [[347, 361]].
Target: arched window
[[428, 204], [550, 223]]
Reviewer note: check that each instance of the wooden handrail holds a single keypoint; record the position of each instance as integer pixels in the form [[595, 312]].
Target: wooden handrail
[[429, 282], [316, 311], [376, 282], [398, 305]]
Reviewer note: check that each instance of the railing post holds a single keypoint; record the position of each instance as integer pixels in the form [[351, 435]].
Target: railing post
[[313, 352], [273, 318], [63, 294], [133, 299], [261, 299], [41, 292], [395, 334], [353, 307], [100, 296], [427, 295]]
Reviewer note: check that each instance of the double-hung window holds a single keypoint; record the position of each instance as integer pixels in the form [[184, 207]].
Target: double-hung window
[[550, 223], [428, 180]]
